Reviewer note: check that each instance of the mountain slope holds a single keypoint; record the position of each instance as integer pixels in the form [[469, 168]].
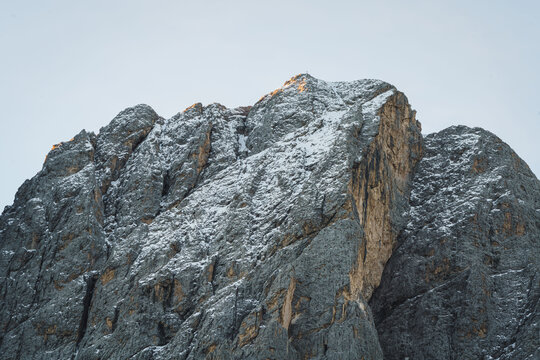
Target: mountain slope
[[464, 277], [263, 232]]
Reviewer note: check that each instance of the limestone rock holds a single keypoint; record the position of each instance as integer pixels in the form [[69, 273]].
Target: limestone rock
[[463, 280], [263, 232]]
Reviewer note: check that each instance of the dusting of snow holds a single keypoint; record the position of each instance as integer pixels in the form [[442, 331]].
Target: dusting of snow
[[373, 106], [264, 184], [242, 141]]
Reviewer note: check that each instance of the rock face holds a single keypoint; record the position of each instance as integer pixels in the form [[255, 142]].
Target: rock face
[[463, 281], [316, 224]]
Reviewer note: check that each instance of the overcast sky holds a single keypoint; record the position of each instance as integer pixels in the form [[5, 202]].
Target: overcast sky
[[69, 65]]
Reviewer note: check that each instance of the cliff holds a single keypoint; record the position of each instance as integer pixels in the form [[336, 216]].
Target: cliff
[[316, 224]]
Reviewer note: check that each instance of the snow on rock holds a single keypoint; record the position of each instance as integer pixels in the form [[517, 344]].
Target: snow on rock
[[467, 260], [262, 231]]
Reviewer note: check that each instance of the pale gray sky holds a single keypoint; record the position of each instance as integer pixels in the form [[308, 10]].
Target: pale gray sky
[[69, 65]]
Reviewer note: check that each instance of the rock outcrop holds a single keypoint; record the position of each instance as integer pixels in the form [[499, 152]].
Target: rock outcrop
[[463, 281], [315, 224]]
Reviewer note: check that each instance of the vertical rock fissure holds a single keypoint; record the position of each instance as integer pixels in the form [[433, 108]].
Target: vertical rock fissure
[[115, 319], [162, 337], [166, 184], [87, 301]]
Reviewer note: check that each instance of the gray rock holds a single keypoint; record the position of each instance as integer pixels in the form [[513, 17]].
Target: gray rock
[[463, 280], [262, 232]]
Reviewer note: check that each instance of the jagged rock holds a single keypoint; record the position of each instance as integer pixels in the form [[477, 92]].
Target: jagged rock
[[464, 281], [262, 232]]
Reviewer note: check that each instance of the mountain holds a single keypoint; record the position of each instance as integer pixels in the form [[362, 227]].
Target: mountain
[[316, 224]]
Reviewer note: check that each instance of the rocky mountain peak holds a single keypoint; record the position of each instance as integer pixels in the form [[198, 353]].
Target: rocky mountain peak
[[317, 223]]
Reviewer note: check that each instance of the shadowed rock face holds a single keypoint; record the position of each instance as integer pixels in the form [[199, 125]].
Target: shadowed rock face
[[265, 231], [463, 282]]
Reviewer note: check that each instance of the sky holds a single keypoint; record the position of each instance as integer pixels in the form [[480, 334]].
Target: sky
[[72, 65]]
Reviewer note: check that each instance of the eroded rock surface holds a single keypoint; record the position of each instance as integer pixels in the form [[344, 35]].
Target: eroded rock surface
[[464, 282], [262, 232]]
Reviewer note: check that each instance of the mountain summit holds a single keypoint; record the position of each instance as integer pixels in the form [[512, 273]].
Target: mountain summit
[[316, 224]]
